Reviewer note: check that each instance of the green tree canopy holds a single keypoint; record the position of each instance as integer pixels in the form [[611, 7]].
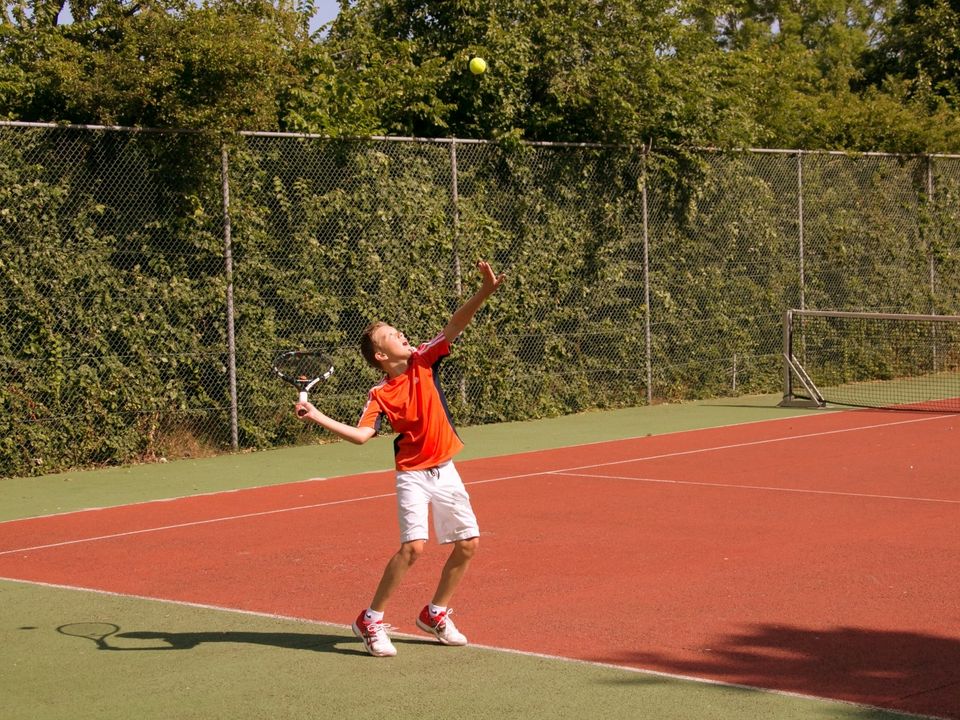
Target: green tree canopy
[[221, 63], [839, 74]]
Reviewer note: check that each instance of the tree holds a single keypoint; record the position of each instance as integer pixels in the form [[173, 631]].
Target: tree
[[921, 44], [612, 71], [845, 74], [221, 64], [815, 84]]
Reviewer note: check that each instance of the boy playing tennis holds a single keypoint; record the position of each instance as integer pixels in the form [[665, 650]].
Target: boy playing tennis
[[411, 399]]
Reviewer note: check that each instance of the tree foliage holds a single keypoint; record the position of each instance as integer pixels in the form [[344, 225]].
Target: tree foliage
[[921, 45], [840, 74], [221, 64]]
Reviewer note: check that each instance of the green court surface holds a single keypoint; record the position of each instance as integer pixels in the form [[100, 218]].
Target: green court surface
[[185, 662], [172, 660]]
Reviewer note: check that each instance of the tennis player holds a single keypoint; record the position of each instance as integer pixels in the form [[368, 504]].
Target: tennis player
[[411, 399]]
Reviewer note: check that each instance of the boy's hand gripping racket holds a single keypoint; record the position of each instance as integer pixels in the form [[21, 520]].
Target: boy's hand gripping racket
[[304, 369]]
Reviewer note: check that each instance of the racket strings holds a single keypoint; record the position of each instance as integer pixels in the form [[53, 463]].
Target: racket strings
[[303, 367]]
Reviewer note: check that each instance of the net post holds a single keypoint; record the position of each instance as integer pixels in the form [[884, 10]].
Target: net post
[[792, 368], [787, 352]]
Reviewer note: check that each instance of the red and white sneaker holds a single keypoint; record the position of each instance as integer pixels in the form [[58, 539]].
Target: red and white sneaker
[[374, 636], [441, 627]]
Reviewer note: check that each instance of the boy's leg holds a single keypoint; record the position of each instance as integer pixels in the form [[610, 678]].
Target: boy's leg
[[368, 626], [454, 569], [413, 503], [396, 568], [455, 523], [435, 618]]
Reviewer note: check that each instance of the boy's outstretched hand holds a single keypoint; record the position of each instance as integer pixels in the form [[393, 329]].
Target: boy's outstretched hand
[[491, 281], [464, 314]]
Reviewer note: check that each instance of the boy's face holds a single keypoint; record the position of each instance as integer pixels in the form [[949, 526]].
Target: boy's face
[[391, 344]]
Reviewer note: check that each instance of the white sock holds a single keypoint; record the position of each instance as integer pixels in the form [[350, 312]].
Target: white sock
[[373, 615], [436, 610]]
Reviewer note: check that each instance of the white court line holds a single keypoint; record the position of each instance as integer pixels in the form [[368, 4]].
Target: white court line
[[758, 487], [751, 443], [490, 648], [194, 523], [715, 448], [678, 453], [173, 498]]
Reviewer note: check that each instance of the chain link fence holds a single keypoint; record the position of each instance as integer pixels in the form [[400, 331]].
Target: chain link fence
[[147, 279]]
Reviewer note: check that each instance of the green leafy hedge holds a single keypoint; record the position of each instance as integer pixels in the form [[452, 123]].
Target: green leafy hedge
[[113, 287]]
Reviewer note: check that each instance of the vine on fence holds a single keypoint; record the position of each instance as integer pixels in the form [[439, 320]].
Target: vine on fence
[[113, 344]]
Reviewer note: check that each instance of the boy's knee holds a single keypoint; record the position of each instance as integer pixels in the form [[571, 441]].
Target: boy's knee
[[468, 547], [411, 551]]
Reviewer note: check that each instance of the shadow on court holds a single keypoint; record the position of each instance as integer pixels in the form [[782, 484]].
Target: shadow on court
[[912, 672], [107, 636]]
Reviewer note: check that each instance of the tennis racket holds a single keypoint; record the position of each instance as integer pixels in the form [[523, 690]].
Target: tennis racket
[[304, 369]]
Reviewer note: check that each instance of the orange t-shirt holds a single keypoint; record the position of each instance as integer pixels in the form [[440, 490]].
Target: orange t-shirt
[[416, 408]]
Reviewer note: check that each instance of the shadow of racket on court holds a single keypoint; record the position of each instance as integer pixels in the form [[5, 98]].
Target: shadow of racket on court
[[107, 636], [98, 632]]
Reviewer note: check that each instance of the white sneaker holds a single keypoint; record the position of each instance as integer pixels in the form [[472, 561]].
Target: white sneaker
[[374, 636], [441, 627]]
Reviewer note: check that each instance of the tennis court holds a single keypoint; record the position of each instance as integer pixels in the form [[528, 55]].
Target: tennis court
[[812, 554]]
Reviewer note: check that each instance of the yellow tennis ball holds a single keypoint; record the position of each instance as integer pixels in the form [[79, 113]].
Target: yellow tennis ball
[[478, 65]]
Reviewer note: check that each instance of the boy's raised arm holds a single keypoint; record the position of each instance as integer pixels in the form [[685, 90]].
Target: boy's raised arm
[[464, 314]]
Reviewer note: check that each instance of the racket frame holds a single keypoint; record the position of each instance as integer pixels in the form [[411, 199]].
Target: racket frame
[[304, 385]]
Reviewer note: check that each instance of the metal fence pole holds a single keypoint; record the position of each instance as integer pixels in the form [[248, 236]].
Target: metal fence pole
[[930, 253], [457, 273], [646, 279], [455, 196], [228, 272], [803, 281], [935, 360]]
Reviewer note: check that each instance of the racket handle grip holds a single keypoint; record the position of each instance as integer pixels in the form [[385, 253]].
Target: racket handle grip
[[303, 396]]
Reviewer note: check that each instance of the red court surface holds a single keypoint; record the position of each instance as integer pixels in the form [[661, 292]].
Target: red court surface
[[816, 555]]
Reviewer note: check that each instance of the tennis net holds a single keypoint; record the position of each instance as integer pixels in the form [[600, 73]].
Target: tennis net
[[885, 360]]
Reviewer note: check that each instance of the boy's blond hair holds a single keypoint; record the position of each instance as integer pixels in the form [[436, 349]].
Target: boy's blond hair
[[367, 347]]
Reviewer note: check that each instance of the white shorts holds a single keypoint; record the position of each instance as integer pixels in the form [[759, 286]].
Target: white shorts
[[442, 489]]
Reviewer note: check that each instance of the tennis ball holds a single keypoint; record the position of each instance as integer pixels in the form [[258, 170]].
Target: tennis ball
[[478, 65]]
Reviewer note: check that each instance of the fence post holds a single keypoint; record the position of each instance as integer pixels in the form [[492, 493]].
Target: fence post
[[646, 276], [935, 359], [930, 253], [455, 198], [457, 272], [228, 272], [800, 229]]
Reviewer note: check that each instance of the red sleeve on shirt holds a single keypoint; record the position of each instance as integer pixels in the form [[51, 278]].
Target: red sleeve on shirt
[[370, 417], [433, 350]]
